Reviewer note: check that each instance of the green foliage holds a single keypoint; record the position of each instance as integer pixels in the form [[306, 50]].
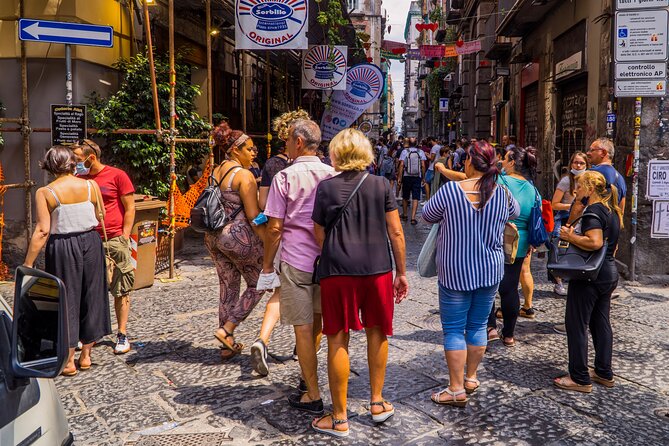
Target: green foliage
[[436, 15], [435, 81], [145, 158], [330, 17]]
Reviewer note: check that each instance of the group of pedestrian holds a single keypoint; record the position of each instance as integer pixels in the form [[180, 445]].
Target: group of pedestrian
[[473, 210], [324, 239], [85, 217]]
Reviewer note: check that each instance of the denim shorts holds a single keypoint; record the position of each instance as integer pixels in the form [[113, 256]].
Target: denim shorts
[[464, 316]]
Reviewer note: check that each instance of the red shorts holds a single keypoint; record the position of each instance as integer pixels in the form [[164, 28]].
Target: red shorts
[[345, 299]]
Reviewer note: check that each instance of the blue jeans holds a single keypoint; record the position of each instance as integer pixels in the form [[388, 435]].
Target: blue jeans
[[429, 176], [464, 315]]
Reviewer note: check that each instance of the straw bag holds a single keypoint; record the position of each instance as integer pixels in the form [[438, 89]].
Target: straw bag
[[511, 237]]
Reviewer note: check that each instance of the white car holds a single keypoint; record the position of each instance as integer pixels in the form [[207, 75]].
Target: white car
[[33, 350]]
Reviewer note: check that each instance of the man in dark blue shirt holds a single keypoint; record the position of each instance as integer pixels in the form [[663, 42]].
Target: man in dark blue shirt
[[601, 154]]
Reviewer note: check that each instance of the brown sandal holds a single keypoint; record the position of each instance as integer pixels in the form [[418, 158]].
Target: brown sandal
[[603, 381]]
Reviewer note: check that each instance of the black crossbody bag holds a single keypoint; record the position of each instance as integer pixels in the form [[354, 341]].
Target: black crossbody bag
[[568, 261], [315, 279]]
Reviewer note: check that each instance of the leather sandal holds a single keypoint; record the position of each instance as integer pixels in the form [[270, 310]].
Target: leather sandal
[[234, 346], [332, 431], [381, 416], [474, 381], [453, 401]]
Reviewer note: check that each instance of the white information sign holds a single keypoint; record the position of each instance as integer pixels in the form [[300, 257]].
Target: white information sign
[[443, 104], [641, 88], [641, 70], [657, 182], [641, 35], [642, 4], [660, 225]]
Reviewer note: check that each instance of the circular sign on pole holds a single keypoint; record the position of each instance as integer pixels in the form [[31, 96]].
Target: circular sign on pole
[[272, 23], [365, 127], [324, 67], [364, 84]]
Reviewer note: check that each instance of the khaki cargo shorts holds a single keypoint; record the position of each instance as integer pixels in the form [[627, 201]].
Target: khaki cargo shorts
[[124, 273], [300, 299]]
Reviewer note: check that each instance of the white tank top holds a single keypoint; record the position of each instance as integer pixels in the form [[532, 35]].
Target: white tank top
[[74, 217]]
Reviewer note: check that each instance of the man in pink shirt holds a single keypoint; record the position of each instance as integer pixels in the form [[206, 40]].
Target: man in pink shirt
[[289, 207]]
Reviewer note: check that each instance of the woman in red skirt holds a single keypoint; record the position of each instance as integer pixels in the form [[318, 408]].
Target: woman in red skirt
[[355, 214]]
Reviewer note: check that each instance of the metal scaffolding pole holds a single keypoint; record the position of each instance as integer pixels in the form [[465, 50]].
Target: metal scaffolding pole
[[25, 131], [152, 69], [173, 132]]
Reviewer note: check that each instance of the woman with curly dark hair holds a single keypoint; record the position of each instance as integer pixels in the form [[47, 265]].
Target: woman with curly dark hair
[[237, 248]]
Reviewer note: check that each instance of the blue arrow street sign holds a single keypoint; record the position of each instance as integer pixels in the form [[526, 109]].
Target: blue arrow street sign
[[66, 33]]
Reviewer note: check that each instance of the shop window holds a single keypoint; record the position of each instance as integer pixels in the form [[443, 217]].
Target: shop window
[[571, 125]]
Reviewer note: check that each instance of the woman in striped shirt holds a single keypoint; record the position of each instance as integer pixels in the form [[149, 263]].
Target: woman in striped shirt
[[470, 261]]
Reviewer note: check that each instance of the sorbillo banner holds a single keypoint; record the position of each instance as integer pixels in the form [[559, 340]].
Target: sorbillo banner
[[271, 24], [324, 67], [364, 85]]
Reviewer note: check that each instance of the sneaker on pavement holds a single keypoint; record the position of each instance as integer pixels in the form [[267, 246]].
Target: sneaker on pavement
[[560, 329], [79, 346], [122, 344], [259, 358], [559, 289]]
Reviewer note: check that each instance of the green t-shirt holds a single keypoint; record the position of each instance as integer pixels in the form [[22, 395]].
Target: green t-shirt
[[524, 192]]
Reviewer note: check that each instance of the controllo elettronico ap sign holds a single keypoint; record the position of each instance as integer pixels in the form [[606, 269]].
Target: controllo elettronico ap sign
[[66, 33]]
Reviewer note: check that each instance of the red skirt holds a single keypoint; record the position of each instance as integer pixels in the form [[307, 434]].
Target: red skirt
[[347, 299]]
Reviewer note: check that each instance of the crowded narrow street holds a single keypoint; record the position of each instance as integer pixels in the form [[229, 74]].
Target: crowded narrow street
[[172, 388]]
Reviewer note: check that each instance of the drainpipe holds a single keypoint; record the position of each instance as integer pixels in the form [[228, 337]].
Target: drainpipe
[[25, 131]]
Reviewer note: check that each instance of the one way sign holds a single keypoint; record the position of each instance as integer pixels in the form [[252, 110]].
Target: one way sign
[[66, 33]]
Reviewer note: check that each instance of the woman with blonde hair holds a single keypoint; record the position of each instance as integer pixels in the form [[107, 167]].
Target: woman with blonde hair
[[563, 197], [355, 215], [589, 302], [237, 248]]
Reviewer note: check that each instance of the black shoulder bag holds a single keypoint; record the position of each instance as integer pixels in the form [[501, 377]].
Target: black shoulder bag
[[314, 277], [568, 261]]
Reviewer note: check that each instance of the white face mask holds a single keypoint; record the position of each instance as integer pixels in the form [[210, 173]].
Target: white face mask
[[577, 172]]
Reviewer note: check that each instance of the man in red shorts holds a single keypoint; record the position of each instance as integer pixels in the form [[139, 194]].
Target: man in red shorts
[[118, 197]]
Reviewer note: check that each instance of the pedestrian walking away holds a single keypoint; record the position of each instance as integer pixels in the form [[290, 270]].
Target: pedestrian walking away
[[68, 211], [411, 174], [119, 202], [355, 217], [237, 247], [259, 349], [519, 169], [289, 207], [470, 263], [589, 302]]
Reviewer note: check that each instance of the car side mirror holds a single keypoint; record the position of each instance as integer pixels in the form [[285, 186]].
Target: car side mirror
[[40, 336]]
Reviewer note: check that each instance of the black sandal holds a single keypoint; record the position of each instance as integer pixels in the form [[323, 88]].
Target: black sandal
[[381, 416], [334, 432], [236, 347], [414, 222]]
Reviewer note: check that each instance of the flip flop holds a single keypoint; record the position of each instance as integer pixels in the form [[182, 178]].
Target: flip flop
[[560, 384], [74, 373]]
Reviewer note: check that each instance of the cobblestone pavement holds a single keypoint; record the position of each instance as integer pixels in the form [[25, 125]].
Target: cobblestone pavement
[[172, 388]]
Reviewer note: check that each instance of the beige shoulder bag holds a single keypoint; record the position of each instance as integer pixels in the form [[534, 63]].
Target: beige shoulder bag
[[110, 264]]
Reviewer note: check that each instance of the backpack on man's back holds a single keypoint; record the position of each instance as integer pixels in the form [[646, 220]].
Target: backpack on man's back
[[387, 166], [413, 163]]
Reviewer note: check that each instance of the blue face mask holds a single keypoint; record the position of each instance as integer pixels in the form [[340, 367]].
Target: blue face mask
[[81, 169]]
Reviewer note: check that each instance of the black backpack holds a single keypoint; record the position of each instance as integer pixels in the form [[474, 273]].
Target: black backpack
[[208, 214]]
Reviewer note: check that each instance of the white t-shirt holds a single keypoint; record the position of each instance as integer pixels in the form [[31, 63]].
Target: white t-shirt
[[563, 185], [405, 154], [434, 151]]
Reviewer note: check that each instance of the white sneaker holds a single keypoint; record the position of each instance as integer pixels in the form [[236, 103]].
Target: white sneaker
[[259, 358], [79, 346], [559, 289], [122, 344]]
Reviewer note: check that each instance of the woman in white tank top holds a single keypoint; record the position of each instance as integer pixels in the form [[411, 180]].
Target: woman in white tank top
[[66, 222]]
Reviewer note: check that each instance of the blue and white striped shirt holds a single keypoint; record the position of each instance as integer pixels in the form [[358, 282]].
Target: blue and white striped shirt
[[470, 251]]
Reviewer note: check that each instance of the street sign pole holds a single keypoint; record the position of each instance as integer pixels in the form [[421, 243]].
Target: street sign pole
[[68, 74], [635, 184]]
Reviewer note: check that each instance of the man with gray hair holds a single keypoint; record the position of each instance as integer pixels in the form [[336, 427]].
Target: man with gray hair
[[601, 154], [289, 207]]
